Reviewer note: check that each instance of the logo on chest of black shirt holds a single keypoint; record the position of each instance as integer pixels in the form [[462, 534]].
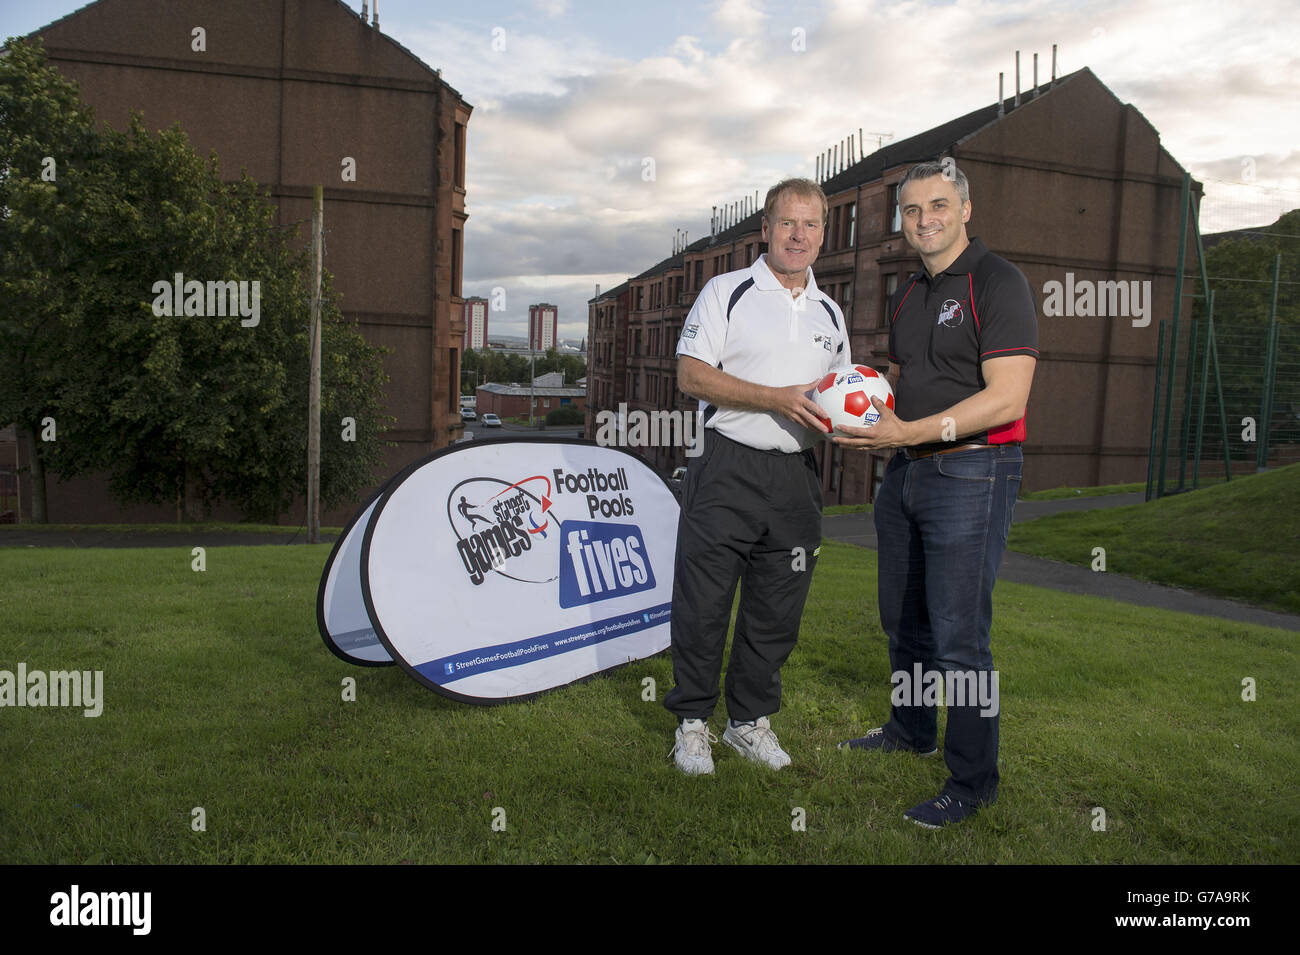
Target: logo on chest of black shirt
[[951, 314]]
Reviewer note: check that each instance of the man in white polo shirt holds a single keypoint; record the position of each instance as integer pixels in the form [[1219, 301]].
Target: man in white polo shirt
[[755, 343]]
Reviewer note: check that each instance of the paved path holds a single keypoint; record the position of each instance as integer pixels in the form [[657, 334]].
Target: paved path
[[849, 528], [1024, 569], [95, 537]]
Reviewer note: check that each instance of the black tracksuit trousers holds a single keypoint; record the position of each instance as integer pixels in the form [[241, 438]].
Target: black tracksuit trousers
[[750, 516]]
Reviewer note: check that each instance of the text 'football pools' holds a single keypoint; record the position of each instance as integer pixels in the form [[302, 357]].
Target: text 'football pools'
[[603, 490]]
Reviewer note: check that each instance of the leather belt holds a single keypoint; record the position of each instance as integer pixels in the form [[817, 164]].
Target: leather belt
[[914, 455]]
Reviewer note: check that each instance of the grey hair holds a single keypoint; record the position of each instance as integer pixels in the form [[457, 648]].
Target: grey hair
[[945, 167]]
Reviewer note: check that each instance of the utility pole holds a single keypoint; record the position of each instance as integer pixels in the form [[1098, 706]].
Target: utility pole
[[532, 378], [313, 401]]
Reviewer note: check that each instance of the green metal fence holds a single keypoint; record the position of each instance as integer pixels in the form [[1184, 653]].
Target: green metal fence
[[1227, 390]]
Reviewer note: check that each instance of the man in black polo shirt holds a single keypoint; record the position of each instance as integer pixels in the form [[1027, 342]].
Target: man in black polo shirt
[[963, 343]]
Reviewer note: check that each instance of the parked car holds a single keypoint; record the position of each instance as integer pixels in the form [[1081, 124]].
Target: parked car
[[468, 414], [491, 421]]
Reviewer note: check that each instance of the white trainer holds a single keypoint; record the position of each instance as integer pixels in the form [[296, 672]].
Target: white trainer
[[756, 741], [691, 751]]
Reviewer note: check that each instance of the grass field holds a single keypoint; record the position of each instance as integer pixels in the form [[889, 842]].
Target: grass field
[[219, 694], [214, 527], [1239, 540], [1061, 493]]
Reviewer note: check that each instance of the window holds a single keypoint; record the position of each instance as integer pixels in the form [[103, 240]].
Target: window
[[853, 224], [890, 287], [636, 386], [699, 273], [877, 475], [453, 378], [546, 402], [459, 171], [455, 262], [895, 214]]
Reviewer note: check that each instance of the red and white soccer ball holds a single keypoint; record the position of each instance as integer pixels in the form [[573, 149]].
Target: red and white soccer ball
[[845, 394]]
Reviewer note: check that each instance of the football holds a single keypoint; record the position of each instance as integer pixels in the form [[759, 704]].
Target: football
[[844, 394]]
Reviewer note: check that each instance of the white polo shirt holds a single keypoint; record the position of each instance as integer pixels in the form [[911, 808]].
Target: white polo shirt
[[751, 326]]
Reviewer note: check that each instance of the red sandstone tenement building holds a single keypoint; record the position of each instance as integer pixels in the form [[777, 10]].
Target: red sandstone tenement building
[[1072, 180], [289, 89]]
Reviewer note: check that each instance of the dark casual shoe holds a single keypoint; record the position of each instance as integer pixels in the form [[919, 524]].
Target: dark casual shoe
[[940, 812], [877, 740]]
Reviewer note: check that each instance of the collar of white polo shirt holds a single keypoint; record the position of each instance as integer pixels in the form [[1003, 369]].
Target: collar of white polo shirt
[[765, 279]]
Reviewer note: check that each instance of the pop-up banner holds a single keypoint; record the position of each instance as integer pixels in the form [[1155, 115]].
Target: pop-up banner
[[340, 609], [496, 570]]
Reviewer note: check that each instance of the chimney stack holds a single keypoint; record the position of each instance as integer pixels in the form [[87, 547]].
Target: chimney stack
[[1017, 103], [1035, 92], [1053, 64], [1001, 109]]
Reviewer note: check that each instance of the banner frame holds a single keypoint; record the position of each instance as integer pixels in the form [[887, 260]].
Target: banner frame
[[396, 482], [320, 590]]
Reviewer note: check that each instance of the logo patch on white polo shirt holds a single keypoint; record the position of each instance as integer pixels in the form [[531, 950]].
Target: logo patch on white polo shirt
[[689, 331], [823, 340]]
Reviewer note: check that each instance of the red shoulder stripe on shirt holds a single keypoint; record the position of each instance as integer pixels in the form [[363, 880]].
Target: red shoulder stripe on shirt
[[1017, 348], [971, 281], [900, 304]]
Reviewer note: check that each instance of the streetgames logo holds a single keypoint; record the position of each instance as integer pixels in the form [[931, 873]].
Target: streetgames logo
[[505, 527], [950, 314]]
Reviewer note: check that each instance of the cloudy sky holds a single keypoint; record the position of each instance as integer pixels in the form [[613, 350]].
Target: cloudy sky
[[572, 98]]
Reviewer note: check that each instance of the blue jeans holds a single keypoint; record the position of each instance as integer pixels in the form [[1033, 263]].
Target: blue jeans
[[942, 525]]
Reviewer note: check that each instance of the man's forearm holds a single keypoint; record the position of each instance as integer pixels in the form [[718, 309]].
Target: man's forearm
[[983, 410], [716, 387]]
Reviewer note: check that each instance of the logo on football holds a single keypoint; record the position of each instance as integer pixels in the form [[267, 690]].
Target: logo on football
[[844, 394]]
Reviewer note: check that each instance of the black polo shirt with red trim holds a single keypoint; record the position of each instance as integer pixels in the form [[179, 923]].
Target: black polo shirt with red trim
[[942, 327]]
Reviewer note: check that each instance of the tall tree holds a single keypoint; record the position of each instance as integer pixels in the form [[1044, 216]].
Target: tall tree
[[47, 141], [199, 407]]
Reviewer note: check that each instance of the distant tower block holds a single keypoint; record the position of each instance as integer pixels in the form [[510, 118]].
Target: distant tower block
[[476, 324], [543, 324]]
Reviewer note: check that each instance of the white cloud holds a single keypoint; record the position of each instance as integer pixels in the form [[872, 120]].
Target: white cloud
[[562, 124], [552, 8]]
